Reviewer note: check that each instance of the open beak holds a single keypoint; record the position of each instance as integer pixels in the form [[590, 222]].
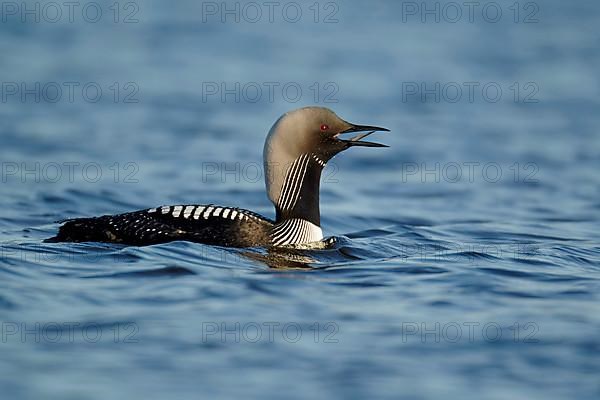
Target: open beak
[[356, 140]]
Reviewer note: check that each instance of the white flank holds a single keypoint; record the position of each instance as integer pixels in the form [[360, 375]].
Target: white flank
[[296, 231]]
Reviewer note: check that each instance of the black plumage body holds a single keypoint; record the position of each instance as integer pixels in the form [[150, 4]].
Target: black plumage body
[[208, 224]]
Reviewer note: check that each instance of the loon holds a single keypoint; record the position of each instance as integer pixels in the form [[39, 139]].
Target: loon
[[297, 148]]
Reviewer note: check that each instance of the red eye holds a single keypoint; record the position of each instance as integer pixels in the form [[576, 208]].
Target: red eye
[[324, 127]]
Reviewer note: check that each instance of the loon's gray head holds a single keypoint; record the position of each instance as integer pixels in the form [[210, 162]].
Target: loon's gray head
[[297, 148]]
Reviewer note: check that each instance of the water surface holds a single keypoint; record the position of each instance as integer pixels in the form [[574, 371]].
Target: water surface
[[468, 262]]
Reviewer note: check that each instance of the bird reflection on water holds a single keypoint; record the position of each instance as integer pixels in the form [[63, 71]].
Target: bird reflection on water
[[299, 257]]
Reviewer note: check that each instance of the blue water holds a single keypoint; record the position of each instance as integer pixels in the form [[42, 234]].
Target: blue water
[[468, 260]]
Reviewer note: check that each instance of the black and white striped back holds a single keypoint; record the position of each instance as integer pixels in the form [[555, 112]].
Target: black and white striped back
[[209, 224]]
